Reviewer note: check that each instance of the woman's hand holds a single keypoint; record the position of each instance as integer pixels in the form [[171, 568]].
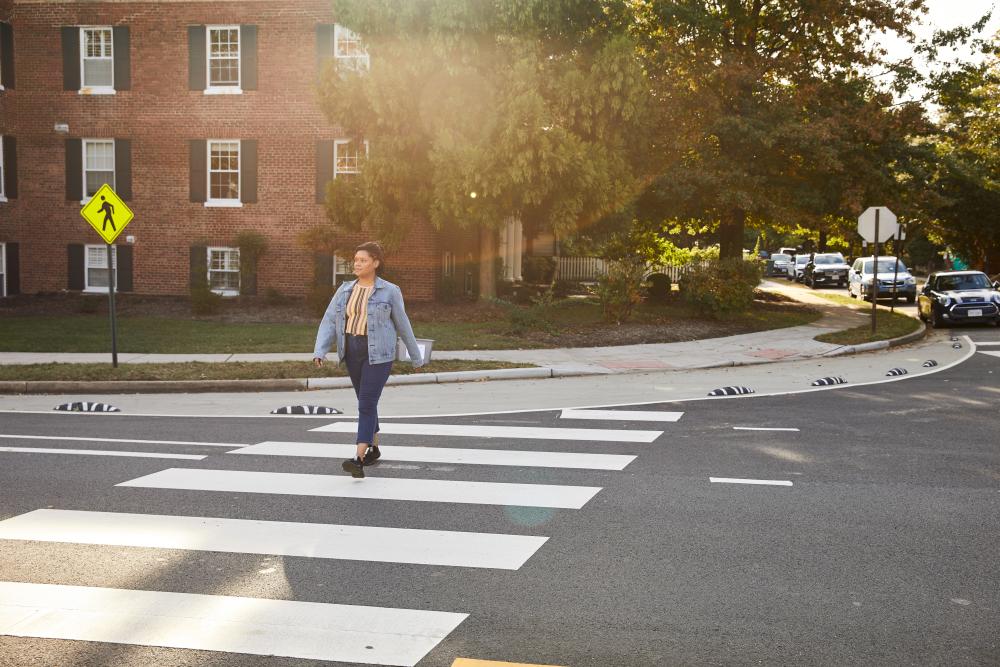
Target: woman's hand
[[318, 362]]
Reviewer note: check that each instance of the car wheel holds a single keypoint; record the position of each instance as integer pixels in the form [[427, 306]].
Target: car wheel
[[911, 300]]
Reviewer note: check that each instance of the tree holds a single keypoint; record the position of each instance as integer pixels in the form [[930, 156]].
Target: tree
[[745, 88], [478, 112]]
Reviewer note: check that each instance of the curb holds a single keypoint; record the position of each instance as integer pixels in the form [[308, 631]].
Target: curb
[[300, 384], [880, 344]]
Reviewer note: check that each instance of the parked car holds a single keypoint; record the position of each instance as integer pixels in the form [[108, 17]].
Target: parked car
[[826, 268], [777, 265], [797, 267], [960, 297], [862, 273], [791, 252]]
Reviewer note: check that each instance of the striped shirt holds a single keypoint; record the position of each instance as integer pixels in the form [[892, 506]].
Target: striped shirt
[[357, 310]]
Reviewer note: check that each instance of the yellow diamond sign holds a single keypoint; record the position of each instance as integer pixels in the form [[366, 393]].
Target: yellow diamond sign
[[107, 213]]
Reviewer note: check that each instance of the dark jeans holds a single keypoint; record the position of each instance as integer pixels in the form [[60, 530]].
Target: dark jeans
[[368, 380]]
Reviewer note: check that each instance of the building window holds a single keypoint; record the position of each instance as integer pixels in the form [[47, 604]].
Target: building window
[[224, 56], [448, 264], [348, 50], [342, 270], [223, 173], [98, 165], [96, 268], [224, 271], [346, 157], [96, 58]]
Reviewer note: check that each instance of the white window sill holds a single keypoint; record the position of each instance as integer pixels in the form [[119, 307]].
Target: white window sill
[[3, 200], [224, 90], [225, 292], [224, 203], [98, 290], [98, 90]]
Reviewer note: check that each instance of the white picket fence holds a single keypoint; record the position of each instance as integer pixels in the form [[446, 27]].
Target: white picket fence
[[590, 268]]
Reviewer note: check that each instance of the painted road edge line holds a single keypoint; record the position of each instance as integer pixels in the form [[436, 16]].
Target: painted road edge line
[[736, 480], [761, 428], [11, 436]]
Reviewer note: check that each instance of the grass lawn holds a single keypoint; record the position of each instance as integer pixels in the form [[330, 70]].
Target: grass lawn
[[221, 371], [566, 324], [887, 325]]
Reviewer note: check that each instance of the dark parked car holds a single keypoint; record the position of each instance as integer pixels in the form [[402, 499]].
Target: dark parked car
[[828, 268], [960, 297], [777, 265]]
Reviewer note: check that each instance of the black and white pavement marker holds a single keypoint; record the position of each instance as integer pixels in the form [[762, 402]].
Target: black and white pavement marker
[[827, 381], [306, 410], [893, 372], [956, 346], [86, 406], [930, 363], [731, 391]]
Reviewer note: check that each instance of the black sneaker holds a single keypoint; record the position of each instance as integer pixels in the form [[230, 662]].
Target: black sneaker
[[372, 455], [354, 466]]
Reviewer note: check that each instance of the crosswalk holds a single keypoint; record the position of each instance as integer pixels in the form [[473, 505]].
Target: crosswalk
[[312, 630]]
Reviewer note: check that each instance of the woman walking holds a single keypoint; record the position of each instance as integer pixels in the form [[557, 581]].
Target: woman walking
[[365, 316]]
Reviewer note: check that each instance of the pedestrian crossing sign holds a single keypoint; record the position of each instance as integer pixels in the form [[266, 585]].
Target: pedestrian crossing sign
[[107, 213]]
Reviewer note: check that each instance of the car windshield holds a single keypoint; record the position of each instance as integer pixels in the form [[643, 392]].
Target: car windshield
[[828, 259], [886, 266], [964, 282], [780, 257], [802, 259]]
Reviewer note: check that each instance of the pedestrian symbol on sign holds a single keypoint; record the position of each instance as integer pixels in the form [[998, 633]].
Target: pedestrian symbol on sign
[[107, 213]]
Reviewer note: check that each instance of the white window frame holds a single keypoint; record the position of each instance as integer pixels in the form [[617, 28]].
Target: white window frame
[[336, 147], [239, 277], [96, 90], [83, 175], [448, 264], [353, 62], [3, 193], [99, 289], [3, 269], [223, 89], [224, 203], [338, 263]]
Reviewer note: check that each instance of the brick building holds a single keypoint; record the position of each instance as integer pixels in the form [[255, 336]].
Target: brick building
[[203, 117]]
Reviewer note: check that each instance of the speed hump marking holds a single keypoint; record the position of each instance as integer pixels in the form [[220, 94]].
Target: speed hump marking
[[107, 213]]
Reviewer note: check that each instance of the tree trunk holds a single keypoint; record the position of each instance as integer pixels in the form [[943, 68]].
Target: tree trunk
[[487, 263], [731, 235], [822, 241]]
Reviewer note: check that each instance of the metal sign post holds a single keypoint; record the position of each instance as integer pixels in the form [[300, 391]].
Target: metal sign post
[[900, 235], [111, 309], [874, 289]]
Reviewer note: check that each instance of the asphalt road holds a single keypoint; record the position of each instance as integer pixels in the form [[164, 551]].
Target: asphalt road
[[881, 551]]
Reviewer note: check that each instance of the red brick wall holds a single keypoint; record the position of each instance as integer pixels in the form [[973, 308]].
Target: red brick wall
[[159, 114]]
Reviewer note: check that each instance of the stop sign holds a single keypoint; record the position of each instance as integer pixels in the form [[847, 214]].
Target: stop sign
[[887, 225]]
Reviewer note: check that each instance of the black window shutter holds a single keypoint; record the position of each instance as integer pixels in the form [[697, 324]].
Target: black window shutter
[[74, 169], [71, 58], [324, 168], [74, 252], [248, 278], [323, 269], [7, 55], [123, 277], [123, 58], [123, 168], [196, 57], [248, 171], [199, 266], [13, 269], [199, 170], [324, 45], [10, 167], [248, 57]]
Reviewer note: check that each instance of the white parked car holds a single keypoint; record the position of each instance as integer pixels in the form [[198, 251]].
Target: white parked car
[[797, 267], [861, 277]]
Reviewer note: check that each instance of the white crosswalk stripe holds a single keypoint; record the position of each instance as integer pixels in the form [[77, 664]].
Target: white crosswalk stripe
[[474, 431], [309, 630], [494, 457], [380, 488], [281, 538], [319, 631]]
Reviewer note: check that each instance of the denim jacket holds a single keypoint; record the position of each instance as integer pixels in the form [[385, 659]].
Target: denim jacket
[[386, 320]]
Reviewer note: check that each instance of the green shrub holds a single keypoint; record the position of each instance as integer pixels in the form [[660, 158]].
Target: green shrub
[[450, 291], [620, 289], [563, 288], [538, 269], [722, 287], [658, 288], [318, 299], [204, 301]]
